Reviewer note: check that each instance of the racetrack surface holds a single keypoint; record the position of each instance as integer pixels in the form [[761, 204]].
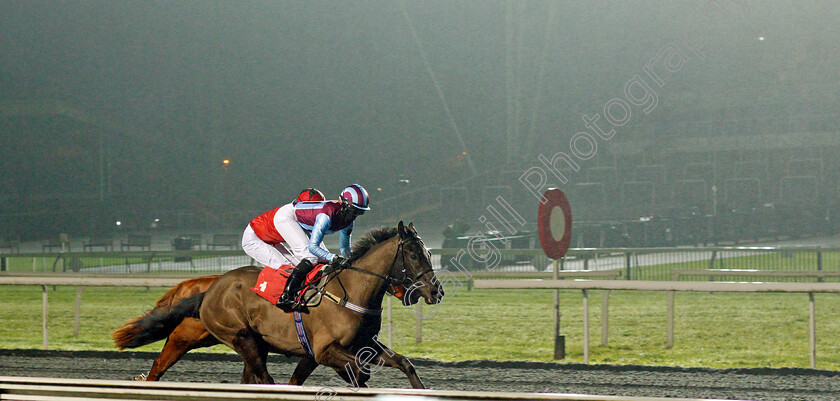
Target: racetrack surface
[[753, 384]]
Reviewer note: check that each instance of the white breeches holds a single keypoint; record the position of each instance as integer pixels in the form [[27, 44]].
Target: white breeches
[[274, 256]]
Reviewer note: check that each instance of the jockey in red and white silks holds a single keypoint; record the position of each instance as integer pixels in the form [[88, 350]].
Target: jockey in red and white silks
[[302, 226], [320, 219], [262, 241]]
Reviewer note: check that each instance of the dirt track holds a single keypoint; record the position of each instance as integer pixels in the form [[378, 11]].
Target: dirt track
[[754, 384]]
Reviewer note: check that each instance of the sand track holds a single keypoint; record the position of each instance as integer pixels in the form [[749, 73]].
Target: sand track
[[755, 384]]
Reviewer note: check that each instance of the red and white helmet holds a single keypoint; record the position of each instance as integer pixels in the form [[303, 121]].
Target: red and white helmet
[[356, 196], [309, 195]]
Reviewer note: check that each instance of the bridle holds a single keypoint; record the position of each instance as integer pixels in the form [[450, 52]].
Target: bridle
[[399, 255], [389, 279]]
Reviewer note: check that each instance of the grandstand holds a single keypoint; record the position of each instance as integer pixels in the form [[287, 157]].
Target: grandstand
[[692, 189], [116, 119], [697, 190]]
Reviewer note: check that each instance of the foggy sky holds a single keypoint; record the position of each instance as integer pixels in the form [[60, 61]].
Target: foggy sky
[[327, 93]]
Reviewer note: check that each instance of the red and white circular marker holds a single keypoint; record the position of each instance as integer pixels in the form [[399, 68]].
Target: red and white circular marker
[[554, 223]]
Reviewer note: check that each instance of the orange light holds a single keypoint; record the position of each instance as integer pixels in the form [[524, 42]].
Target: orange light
[[464, 153], [226, 162]]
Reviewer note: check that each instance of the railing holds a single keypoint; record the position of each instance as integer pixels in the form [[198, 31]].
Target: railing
[[634, 263], [571, 274], [81, 282], [27, 388], [725, 274], [672, 287], [644, 263], [187, 261], [664, 264]]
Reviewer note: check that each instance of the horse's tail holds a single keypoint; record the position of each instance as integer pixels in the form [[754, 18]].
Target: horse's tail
[[184, 289], [157, 324]]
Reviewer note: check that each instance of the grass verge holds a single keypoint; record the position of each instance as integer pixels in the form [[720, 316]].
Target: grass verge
[[722, 330]]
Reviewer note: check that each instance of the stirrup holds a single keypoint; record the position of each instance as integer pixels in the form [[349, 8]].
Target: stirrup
[[286, 303], [294, 307]]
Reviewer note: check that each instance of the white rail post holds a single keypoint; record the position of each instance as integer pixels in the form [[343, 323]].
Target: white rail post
[[585, 326], [418, 328], [44, 311], [391, 325], [78, 311], [670, 341], [812, 325], [605, 317]]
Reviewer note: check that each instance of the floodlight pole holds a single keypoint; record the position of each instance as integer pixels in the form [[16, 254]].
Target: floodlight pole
[[438, 89]]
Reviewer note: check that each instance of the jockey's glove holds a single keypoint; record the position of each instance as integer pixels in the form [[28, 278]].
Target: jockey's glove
[[340, 262]]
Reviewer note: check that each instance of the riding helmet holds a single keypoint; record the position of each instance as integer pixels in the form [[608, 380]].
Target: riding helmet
[[356, 196]]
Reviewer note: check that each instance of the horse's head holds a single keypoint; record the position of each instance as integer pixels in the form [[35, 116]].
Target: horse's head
[[413, 265]]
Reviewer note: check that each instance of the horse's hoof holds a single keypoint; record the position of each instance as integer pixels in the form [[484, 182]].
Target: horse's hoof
[[141, 377]]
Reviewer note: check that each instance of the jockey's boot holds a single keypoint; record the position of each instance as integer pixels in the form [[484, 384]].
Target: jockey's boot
[[293, 284]]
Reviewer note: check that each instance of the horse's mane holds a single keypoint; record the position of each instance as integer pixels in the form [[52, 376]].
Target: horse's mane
[[371, 238]]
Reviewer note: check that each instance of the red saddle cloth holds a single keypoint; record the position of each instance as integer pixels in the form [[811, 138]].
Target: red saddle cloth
[[271, 282]]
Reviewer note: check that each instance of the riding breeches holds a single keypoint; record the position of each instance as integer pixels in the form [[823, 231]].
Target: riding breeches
[[274, 256]]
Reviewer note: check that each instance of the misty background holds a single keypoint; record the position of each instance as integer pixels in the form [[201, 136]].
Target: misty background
[[125, 110]]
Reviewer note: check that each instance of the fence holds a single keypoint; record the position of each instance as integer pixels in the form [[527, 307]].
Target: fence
[[629, 263], [183, 261], [46, 281], [645, 263], [673, 286], [27, 388], [726, 274], [635, 263], [82, 281]]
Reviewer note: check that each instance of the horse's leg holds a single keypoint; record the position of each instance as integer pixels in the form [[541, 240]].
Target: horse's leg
[[189, 335], [263, 351], [353, 376], [247, 375], [344, 363], [390, 358], [248, 372], [254, 352], [303, 370]]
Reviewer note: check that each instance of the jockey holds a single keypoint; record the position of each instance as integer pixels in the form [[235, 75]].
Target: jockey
[[309, 195], [261, 240], [302, 226]]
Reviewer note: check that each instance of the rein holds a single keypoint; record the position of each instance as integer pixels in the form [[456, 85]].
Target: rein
[[388, 279]]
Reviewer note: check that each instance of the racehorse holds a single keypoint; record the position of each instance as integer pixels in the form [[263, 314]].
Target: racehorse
[[242, 320], [190, 333]]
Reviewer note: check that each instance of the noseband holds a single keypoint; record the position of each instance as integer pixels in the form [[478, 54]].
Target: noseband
[[401, 251], [388, 279]]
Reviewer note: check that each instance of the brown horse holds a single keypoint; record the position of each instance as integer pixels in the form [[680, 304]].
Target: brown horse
[[243, 321], [254, 327], [190, 332]]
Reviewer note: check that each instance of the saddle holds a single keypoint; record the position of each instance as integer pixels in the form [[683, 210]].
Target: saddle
[[271, 283]]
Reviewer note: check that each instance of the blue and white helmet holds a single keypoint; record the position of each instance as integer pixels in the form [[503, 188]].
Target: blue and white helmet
[[356, 196]]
